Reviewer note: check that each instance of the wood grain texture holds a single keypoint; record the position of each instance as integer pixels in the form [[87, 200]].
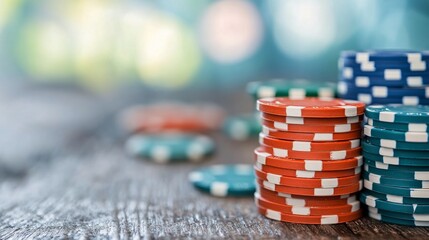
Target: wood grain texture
[[90, 189]]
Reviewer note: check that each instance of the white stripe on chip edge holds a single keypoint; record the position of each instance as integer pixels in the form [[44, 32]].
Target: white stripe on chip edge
[[387, 116], [329, 182], [273, 214], [295, 111], [301, 146], [313, 165], [349, 111], [219, 189]]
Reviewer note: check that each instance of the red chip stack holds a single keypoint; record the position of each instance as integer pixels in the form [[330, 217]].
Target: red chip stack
[[308, 165]]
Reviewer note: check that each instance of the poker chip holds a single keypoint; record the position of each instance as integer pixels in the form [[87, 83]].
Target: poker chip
[[309, 157], [402, 174], [311, 191], [266, 158], [242, 127], [311, 107], [398, 113], [307, 211], [311, 136], [381, 66], [163, 148], [405, 216], [307, 173], [294, 89], [395, 198], [225, 180], [171, 116], [311, 121], [375, 202], [386, 55], [403, 127], [390, 152], [392, 74], [420, 137], [318, 219], [345, 88], [404, 100], [305, 201], [394, 181], [308, 146], [385, 166], [368, 81], [336, 128], [396, 160], [407, 192], [313, 155], [307, 183], [389, 143], [398, 221]]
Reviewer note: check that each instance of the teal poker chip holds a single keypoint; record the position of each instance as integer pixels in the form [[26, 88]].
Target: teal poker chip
[[403, 127], [406, 192], [297, 89], [404, 216], [383, 180], [392, 220], [390, 152], [396, 199], [393, 167], [396, 160], [375, 202], [170, 147], [411, 175], [242, 127], [389, 143], [225, 180], [396, 113], [418, 137]]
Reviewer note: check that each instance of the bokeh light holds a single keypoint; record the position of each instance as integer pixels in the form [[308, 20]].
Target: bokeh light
[[45, 50], [167, 51], [231, 30], [312, 30]]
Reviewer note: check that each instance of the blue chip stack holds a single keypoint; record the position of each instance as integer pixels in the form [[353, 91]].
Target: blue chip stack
[[384, 77], [396, 170]]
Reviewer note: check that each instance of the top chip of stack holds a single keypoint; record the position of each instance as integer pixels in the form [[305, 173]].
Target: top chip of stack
[[384, 77], [308, 164], [396, 156], [294, 89]]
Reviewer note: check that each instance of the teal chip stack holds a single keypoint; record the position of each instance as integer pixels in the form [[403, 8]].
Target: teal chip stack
[[384, 77], [396, 170]]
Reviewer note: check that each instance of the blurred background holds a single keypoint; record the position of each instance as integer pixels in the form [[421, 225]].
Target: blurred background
[[169, 46]]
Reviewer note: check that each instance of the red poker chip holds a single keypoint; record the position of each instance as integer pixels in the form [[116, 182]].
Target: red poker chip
[[349, 189], [266, 158], [313, 155], [166, 116], [321, 137], [336, 128], [308, 146], [311, 121], [322, 219], [280, 170], [311, 107], [308, 211], [307, 183], [305, 201]]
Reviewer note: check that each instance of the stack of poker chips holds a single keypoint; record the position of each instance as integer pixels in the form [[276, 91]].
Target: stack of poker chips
[[309, 160], [384, 77], [396, 156]]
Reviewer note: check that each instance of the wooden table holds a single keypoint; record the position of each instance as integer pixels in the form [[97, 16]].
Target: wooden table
[[64, 174]]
